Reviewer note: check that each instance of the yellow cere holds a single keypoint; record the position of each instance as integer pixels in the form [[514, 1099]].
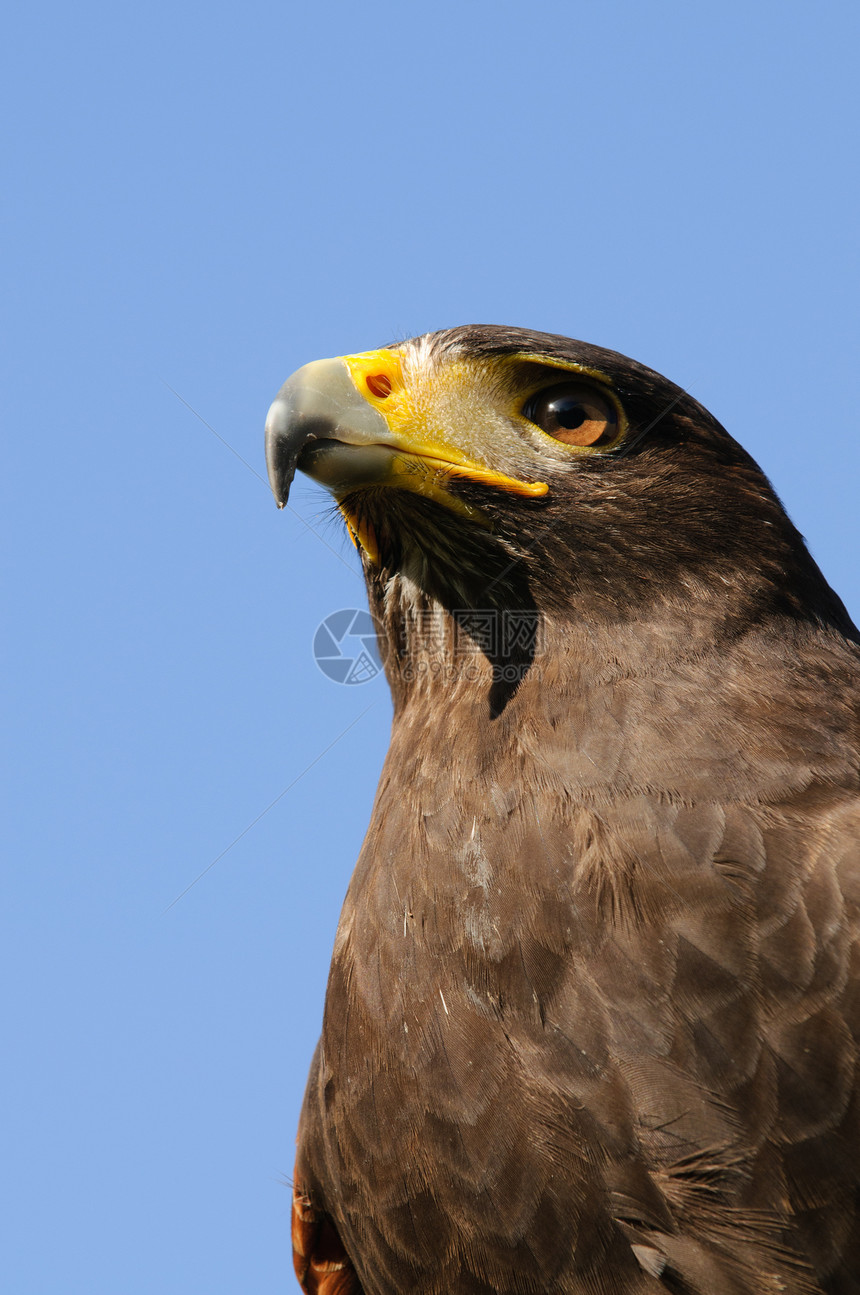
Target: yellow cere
[[367, 368], [414, 415]]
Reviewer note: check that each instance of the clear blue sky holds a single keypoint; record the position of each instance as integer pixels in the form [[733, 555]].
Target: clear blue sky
[[200, 200]]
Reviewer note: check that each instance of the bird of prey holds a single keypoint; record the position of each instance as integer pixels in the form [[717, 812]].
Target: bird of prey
[[593, 1015]]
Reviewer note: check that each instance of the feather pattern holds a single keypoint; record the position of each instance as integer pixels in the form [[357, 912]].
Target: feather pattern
[[593, 1015]]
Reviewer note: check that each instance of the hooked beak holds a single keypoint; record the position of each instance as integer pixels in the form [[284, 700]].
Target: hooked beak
[[319, 403], [349, 424]]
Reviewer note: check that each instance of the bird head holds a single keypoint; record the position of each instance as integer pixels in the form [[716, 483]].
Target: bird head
[[497, 467]]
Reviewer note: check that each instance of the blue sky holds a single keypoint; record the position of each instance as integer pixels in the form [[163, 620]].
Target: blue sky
[[199, 200]]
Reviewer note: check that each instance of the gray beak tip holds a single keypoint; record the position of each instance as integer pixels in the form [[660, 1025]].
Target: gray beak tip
[[282, 450], [319, 402]]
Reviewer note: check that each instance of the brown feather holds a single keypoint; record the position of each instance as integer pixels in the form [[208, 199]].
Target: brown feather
[[593, 1017]]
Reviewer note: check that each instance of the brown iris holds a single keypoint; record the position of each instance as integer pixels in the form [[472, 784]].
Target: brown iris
[[573, 412]]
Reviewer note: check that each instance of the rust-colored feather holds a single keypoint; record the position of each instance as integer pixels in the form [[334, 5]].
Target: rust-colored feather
[[322, 1265]]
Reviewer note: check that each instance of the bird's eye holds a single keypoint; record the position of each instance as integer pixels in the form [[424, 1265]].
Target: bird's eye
[[573, 412]]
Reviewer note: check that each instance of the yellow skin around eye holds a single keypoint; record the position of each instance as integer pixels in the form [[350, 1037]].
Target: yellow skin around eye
[[602, 385]]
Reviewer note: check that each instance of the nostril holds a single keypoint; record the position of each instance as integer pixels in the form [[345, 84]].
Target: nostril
[[379, 384]]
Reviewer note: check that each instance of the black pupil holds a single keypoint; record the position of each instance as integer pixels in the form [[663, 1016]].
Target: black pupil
[[567, 411]]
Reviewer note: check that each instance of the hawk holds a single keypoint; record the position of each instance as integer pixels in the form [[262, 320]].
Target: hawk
[[593, 1014]]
